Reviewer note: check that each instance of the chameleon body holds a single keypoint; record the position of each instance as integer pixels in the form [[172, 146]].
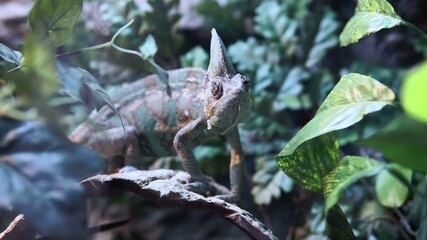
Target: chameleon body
[[202, 105]]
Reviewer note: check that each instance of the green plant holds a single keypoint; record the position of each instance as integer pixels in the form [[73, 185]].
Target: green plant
[[312, 156]]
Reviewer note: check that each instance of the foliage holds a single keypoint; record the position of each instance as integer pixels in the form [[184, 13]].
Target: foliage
[[413, 97], [53, 21], [43, 184], [285, 68]]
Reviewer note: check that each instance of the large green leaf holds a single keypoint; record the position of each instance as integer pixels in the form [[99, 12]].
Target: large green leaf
[[54, 19], [370, 17], [354, 96], [414, 98], [391, 191], [349, 170], [404, 141], [311, 161]]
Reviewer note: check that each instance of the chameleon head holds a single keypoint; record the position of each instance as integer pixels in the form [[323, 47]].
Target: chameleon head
[[227, 93]]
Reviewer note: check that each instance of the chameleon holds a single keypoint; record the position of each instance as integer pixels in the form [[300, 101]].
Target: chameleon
[[201, 105]]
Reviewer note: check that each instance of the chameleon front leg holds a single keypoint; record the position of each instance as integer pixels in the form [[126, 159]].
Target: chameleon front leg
[[236, 165], [191, 135]]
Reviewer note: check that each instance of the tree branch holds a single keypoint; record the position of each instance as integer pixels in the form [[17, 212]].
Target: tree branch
[[167, 188]]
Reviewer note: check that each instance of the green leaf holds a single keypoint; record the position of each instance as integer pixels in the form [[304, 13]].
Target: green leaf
[[38, 64], [324, 39], [348, 171], [414, 98], [269, 181], [10, 55], [353, 97], [391, 192], [311, 161], [403, 141], [370, 17], [149, 48], [337, 225], [196, 57], [54, 19], [422, 233]]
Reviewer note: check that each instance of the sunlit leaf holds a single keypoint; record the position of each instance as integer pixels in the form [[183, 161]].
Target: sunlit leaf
[[403, 141], [370, 16], [10, 55], [54, 19], [149, 48], [353, 97], [349, 170], [391, 192], [40, 171], [311, 161], [413, 93]]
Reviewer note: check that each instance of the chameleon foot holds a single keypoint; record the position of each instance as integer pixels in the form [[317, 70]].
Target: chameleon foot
[[206, 186], [230, 198]]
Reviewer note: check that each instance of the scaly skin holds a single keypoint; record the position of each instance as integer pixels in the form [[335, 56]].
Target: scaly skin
[[202, 105]]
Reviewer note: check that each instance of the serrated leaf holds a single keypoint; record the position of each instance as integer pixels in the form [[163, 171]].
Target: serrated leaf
[[337, 225], [325, 39], [40, 170], [353, 97], [391, 192], [196, 57], [149, 48], [403, 141], [54, 19], [414, 98], [311, 161], [370, 17], [269, 182], [10, 55], [349, 170]]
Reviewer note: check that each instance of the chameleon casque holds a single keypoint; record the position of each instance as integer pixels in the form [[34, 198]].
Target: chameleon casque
[[202, 105]]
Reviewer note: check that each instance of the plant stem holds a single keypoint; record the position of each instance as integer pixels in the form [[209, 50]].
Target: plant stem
[[417, 30]]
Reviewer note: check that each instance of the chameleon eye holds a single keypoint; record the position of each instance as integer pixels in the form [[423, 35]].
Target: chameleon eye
[[216, 89]]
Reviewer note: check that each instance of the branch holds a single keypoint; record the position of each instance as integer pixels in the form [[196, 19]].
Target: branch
[[19, 228], [167, 188]]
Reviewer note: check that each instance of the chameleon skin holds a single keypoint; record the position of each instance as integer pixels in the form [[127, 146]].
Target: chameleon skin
[[202, 105]]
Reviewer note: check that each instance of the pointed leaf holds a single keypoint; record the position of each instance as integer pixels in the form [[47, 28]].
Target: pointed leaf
[[414, 98], [391, 192], [10, 55], [54, 19], [348, 171], [149, 48], [403, 141], [354, 96], [311, 161], [370, 17], [337, 225]]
